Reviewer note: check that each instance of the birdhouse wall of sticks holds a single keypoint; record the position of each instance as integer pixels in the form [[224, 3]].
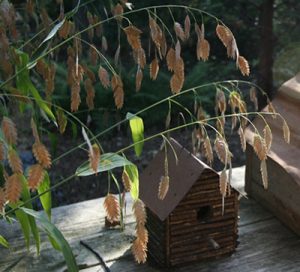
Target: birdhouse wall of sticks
[[188, 224]]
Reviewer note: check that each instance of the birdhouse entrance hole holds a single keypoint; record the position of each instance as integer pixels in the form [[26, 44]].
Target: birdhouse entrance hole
[[204, 213]]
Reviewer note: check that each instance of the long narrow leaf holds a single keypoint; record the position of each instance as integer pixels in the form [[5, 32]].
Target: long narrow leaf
[[24, 222], [137, 132], [34, 230], [56, 235], [108, 161], [25, 85], [46, 199], [53, 31], [4, 242], [133, 174]]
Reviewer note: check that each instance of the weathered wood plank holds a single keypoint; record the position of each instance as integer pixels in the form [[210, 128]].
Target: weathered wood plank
[[264, 244]]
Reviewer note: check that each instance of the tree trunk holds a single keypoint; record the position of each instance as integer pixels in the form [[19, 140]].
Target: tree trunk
[[265, 74]]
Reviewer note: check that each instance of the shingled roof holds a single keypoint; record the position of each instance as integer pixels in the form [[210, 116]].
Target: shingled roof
[[182, 175]]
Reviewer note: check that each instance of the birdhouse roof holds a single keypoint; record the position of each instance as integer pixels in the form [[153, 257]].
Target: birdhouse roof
[[183, 174]]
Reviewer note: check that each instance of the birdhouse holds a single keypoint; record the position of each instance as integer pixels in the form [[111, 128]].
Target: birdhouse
[[188, 224], [283, 163]]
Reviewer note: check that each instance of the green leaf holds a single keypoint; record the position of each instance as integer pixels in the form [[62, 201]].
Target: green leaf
[[34, 230], [23, 220], [3, 242], [57, 236], [53, 31], [46, 199], [24, 84], [108, 161], [74, 130], [137, 131], [133, 174]]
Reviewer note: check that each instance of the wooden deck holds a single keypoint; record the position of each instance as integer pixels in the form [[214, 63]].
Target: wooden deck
[[264, 243]]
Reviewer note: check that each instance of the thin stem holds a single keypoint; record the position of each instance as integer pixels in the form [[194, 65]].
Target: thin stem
[[204, 122], [100, 55], [148, 108], [96, 24]]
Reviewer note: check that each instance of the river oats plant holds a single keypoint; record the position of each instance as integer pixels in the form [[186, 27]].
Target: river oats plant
[[33, 45]]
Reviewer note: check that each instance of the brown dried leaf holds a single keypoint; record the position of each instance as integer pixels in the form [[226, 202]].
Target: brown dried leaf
[[171, 59], [138, 79], [222, 150], [36, 175], [41, 154], [14, 161], [140, 57], [208, 150], [64, 31], [142, 234], [264, 173], [176, 83], [104, 77], [243, 65], [139, 251], [34, 131], [104, 43], [223, 183], [75, 97], [154, 68], [118, 12], [179, 68], [133, 37], [187, 27], [271, 109], [221, 101], [111, 206], [163, 187], [201, 116], [9, 131], [156, 35], [179, 31], [224, 34], [198, 31], [177, 50], [90, 74], [139, 212], [232, 50], [117, 55], [117, 86], [220, 124], [94, 157], [13, 188], [268, 137], [61, 120], [203, 49], [259, 147], [90, 93], [242, 138], [286, 132], [126, 181]]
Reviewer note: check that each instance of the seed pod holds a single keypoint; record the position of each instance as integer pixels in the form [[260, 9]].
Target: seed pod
[[112, 208], [163, 187], [41, 154], [9, 130]]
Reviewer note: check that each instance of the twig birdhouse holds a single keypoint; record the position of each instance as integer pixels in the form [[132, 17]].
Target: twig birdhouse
[[283, 159], [188, 224]]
